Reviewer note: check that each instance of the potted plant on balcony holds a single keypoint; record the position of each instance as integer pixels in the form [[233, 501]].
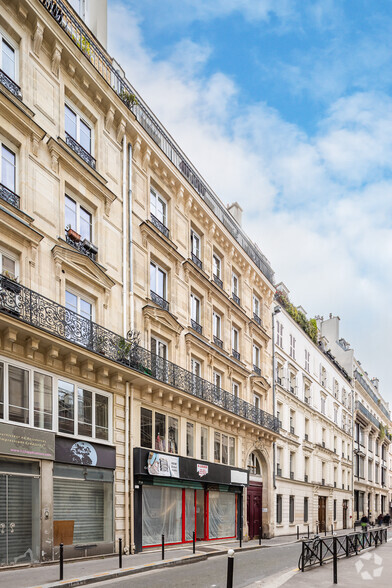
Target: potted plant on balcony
[[73, 235], [128, 98]]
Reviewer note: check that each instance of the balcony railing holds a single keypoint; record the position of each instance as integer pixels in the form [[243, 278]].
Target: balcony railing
[[196, 260], [9, 196], [160, 226], [218, 281], [196, 327], [236, 354], [111, 74], [236, 299], [81, 151], [359, 406], [84, 247], [257, 370], [218, 342], [257, 318], [45, 314], [159, 300], [10, 85], [372, 395]]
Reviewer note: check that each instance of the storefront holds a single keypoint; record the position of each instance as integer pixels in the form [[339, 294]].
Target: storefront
[[176, 496], [83, 497]]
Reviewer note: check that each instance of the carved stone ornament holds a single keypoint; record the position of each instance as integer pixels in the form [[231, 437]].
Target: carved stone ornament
[[56, 58], [38, 37]]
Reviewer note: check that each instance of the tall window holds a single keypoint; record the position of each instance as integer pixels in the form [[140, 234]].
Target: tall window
[[279, 334], [158, 206], [195, 309], [323, 402], [307, 360], [279, 509], [190, 439], [291, 509], [78, 218], [306, 509], [235, 284], [8, 168], [256, 401], [82, 412], [158, 347], [8, 58], [8, 265], [158, 431], [256, 356], [203, 443], [217, 325], [224, 449], [158, 280], [79, 305], [256, 305], [235, 339], [292, 346], [78, 129], [196, 367], [196, 245], [216, 266]]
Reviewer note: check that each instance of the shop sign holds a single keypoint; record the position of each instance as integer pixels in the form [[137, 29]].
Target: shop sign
[[202, 469], [159, 464], [26, 442], [238, 477], [85, 453]]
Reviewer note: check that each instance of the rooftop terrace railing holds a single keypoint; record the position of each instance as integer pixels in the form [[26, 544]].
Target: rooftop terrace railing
[[43, 313], [372, 395], [122, 87]]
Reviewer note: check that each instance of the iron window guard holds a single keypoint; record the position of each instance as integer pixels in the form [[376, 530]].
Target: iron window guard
[[9, 196], [10, 85], [159, 300], [196, 260], [79, 150], [160, 226]]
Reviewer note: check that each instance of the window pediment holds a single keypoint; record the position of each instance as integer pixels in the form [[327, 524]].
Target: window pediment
[[162, 318], [82, 265]]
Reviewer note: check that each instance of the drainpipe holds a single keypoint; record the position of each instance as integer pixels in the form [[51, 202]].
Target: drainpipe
[[130, 236], [126, 501]]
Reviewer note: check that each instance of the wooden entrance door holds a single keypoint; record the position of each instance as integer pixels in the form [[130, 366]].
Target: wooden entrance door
[[345, 509], [254, 506], [322, 513]]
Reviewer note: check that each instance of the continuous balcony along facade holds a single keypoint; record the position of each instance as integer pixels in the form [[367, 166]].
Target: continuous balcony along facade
[[85, 42], [41, 312]]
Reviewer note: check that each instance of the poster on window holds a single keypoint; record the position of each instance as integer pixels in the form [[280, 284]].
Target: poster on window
[[159, 464]]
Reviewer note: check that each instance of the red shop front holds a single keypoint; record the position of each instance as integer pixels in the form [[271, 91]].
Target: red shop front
[[177, 505]]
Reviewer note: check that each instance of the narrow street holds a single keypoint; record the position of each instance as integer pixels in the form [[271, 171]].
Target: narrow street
[[249, 566]]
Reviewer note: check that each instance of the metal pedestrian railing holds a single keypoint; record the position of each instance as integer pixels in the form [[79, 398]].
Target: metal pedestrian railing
[[320, 550]]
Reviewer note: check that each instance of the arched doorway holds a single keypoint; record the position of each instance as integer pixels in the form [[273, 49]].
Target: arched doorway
[[254, 496]]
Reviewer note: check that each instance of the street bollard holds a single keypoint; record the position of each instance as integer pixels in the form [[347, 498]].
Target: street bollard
[[163, 546], [230, 568], [325, 530], [240, 537], [120, 553], [308, 532], [259, 535], [331, 529], [194, 542], [303, 557], [335, 560], [321, 552], [297, 532], [61, 561], [317, 529]]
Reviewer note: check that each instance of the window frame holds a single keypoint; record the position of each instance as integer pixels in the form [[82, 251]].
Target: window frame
[[15, 47], [196, 244], [158, 197], [216, 320], [256, 348], [197, 305], [235, 284], [15, 151], [217, 266], [80, 297], [4, 252], [80, 117], [158, 269], [78, 207], [167, 416]]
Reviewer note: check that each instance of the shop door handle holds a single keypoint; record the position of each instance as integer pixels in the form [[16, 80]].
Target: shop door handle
[[2, 528], [12, 527]]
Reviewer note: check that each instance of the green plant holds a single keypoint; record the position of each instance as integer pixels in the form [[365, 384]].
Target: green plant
[[383, 431], [309, 326], [128, 98], [82, 43]]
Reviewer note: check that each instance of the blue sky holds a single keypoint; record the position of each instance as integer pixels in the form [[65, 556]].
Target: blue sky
[[286, 107]]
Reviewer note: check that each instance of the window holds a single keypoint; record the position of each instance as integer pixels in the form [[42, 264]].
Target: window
[[307, 395], [203, 443], [43, 398], [224, 449], [195, 245], [254, 466], [18, 395], [216, 266], [291, 509], [256, 356], [256, 309], [278, 461], [79, 305], [79, 330], [82, 412], [307, 360], [216, 325], [158, 348], [217, 377], [279, 509], [165, 428], [323, 403], [8, 168], [234, 284], [78, 129], [292, 464], [196, 367], [279, 334], [306, 509], [8, 265], [306, 468], [8, 62], [78, 218], [158, 281], [195, 310], [370, 470], [189, 439], [307, 421], [292, 346], [256, 401], [158, 207], [335, 508], [279, 413], [235, 342], [292, 422], [236, 389]]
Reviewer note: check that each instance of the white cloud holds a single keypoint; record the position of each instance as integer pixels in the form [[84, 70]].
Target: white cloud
[[319, 206]]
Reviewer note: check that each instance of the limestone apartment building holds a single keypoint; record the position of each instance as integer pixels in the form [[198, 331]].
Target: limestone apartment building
[[105, 229], [372, 435], [314, 453]]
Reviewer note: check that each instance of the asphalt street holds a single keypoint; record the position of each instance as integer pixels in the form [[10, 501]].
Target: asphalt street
[[249, 566]]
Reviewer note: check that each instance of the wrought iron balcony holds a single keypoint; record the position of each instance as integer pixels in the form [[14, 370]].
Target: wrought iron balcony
[[160, 226], [84, 247], [159, 300], [236, 354], [218, 281], [196, 260], [196, 327], [79, 150], [10, 85], [218, 342], [83, 39], [257, 370], [236, 299], [372, 395], [257, 318], [9, 196], [42, 313]]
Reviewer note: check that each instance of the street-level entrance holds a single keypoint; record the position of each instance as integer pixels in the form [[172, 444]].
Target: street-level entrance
[[254, 508], [322, 513], [19, 517]]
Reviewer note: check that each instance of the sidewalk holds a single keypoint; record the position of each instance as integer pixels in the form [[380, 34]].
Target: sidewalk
[[83, 571]]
